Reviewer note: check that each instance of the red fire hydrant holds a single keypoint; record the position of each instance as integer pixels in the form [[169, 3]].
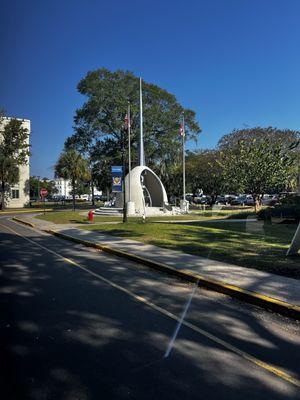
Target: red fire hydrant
[[91, 216]]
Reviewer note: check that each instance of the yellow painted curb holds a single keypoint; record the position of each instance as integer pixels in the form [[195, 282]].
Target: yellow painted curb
[[255, 298], [21, 221]]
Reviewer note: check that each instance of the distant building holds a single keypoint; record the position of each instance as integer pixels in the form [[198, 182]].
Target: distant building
[[64, 189], [63, 186], [19, 193]]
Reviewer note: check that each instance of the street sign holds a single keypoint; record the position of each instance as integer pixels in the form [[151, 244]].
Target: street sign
[[43, 192], [117, 175]]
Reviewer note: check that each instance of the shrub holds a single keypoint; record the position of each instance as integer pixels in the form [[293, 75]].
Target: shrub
[[289, 208]]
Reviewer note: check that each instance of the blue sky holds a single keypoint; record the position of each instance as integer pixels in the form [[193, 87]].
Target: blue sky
[[235, 62]]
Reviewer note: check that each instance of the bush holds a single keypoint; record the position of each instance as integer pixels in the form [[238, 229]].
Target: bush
[[242, 215], [289, 208]]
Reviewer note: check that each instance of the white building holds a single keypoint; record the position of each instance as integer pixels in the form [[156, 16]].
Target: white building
[[63, 186], [19, 193], [64, 189]]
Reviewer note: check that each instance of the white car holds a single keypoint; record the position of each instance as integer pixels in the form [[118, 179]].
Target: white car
[[85, 197]]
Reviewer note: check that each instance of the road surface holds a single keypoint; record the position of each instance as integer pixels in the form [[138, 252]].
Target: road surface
[[77, 323]]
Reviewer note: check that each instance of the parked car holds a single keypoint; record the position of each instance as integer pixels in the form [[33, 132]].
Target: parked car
[[189, 197], [202, 199], [221, 200], [85, 197], [249, 201], [230, 197], [239, 201], [269, 199]]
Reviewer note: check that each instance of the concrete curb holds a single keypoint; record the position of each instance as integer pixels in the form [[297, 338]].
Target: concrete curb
[[257, 299], [21, 221], [32, 211]]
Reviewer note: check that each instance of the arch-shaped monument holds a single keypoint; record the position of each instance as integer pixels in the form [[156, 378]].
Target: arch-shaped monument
[[146, 191]]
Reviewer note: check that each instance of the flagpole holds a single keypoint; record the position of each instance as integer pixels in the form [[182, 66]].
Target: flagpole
[[129, 152], [123, 176], [141, 149], [183, 160]]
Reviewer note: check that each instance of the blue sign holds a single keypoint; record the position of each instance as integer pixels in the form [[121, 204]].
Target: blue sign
[[117, 169], [117, 178]]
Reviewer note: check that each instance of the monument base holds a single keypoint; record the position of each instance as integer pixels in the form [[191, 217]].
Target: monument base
[[130, 208], [184, 206]]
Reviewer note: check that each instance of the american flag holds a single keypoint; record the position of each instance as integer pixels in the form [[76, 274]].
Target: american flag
[[126, 122], [181, 130]]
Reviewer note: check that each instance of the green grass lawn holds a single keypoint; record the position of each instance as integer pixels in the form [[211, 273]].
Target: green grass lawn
[[70, 217], [67, 205], [247, 244]]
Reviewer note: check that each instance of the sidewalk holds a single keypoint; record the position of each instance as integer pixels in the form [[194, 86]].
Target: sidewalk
[[264, 284]]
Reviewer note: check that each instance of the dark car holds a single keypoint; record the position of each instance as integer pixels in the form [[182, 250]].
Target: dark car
[[249, 201], [202, 200], [239, 201], [221, 200]]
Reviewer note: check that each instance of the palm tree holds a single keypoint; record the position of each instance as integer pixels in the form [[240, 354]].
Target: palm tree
[[71, 165]]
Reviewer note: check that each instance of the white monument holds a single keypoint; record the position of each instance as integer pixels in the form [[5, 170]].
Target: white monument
[[145, 194]]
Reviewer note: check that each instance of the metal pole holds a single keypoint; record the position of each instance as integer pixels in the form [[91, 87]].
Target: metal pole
[[141, 155], [129, 151], [183, 158], [38, 193], [123, 176]]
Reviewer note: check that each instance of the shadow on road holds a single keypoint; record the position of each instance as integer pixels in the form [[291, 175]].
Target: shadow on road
[[67, 335]]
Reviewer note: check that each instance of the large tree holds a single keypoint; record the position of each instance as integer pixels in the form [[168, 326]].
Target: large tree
[[35, 184], [99, 123], [71, 165], [14, 152], [285, 137], [204, 171], [259, 166]]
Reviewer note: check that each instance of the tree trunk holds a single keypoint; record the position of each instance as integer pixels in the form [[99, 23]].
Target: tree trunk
[[73, 194], [2, 196], [257, 202], [213, 199]]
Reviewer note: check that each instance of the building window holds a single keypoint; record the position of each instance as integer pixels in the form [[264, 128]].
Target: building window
[[15, 194]]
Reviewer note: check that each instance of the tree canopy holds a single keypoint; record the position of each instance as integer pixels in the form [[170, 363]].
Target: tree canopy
[[260, 166], [14, 152], [205, 172], [71, 165], [261, 134], [35, 184], [99, 123]]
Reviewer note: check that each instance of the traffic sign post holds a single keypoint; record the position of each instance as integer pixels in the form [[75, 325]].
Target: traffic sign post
[[43, 194]]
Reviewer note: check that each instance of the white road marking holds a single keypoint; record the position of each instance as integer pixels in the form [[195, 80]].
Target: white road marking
[[265, 366], [178, 326]]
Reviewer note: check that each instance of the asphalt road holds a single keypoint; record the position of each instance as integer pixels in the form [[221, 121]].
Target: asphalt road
[[80, 324]]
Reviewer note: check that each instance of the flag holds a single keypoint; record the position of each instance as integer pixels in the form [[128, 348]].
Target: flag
[[181, 130], [126, 122]]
